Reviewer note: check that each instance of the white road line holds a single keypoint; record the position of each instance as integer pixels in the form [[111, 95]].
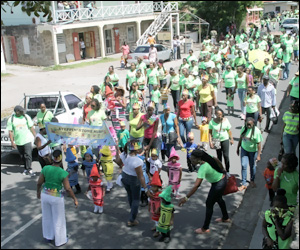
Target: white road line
[[28, 224]]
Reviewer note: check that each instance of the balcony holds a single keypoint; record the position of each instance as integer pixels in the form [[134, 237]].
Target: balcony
[[111, 12]]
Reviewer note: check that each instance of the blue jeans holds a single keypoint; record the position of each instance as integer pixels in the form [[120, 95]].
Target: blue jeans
[[286, 71], [248, 158], [175, 53], [150, 89], [156, 108], [185, 125], [290, 143], [133, 189], [242, 95]]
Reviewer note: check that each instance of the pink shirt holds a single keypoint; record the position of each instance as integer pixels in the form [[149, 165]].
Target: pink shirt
[[151, 123], [185, 108], [126, 49]]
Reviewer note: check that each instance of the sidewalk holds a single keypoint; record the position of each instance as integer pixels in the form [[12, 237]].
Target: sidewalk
[[247, 220]]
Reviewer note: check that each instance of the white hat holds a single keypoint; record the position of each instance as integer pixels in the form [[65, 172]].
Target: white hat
[[195, 73]]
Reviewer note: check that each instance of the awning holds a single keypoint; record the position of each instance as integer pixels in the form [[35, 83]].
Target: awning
[[255, 9], [292, 3]]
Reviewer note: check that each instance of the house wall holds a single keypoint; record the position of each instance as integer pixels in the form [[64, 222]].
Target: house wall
[[39, 45], [271, 7]]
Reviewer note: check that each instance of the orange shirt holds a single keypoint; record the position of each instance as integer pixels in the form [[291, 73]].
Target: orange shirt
[[151, 40], [269, 177]]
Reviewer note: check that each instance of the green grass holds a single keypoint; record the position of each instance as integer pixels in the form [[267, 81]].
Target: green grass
[[6, 74], [80, 65]]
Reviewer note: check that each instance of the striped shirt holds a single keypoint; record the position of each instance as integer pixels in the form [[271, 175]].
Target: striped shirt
[[291, 121]]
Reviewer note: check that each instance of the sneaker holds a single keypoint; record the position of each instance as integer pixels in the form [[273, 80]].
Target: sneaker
[[100, 211], [156, 234], [95, 210], [31, 173], [25, 172], [243, 117], [108, 190], [167, 240], [77, 191]]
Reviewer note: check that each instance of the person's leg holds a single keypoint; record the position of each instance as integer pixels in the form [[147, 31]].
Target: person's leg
[[28, 155], [59, 220], [21, 150], [209, 105], [252, 164], [126, 183], [242, 95], [271, 195], [295, 141], [173, 93], [225, 150], [175, 53], [219, 153], [47, 222], [169, 147], [256, 114], [268, 111], [181, 130], [135, 192], [188, 126], [220, 187], [189, 163], [41, 161], [150, 89], [156, 108], [287, 65], [244, 163], [210, 201], [177, 98]]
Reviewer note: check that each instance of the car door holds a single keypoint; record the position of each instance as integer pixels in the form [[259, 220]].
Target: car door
[[73, 112], [159, 52]]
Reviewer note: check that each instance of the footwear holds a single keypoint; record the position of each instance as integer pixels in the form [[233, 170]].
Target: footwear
[[132, 224], [202, 231], [167, 240], [221, 220], [156, 234], [31, 173], [243, 117], [95, 210], [153, 228], [100, 210], [77, 191], [178, 196], [25, 172], [267, 130], [241, 188], [252, 184], [161, 239], [107, 189]]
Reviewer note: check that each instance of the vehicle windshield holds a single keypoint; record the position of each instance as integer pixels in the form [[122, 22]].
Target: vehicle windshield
[[72, 101], [142, 49], [290, 21]]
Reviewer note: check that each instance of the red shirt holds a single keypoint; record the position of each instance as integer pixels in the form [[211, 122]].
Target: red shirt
[[185, 108], [86, 109], [269, 177]]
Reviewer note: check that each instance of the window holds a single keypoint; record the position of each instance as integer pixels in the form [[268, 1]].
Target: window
[[72, 101], [142, 49], [290, 21], [159, 48], [130, 34], [61, 44], [50, 102], [277, 9]]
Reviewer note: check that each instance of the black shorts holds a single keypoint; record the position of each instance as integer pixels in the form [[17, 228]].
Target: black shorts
[[155, 143]]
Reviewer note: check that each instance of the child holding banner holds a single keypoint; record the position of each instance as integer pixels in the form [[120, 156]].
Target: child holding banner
[[107, 164]]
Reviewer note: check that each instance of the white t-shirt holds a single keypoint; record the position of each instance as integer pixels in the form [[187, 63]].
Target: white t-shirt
[[131, 163], [82, 44], [154, 165]]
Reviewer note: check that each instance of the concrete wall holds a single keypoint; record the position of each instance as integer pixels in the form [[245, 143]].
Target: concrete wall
[[39, 44], [271, 7]]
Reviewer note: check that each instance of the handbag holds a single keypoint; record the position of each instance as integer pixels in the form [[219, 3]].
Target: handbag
[[274, 115], [231, 186], [216, 141]]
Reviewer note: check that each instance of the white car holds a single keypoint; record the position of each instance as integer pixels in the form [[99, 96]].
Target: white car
[[63, 105], [163, 53], [290, 24]]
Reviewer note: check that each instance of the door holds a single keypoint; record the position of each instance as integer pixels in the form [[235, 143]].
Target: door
[[89, 38], [14, 49], [108, 41], [117, 40], [76, 46]]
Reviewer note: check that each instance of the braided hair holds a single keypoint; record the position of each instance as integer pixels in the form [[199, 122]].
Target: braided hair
[[245, 128]]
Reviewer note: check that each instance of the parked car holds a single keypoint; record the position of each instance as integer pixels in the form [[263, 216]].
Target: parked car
[[272, 14], [163, 53], [290, 24], [63, 105]]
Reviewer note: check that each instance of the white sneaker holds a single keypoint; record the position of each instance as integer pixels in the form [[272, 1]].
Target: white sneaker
[[100, 211], [31, 173], [25, 172], [95, 209]]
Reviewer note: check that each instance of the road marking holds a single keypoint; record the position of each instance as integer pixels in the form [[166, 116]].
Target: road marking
[[28, 224]]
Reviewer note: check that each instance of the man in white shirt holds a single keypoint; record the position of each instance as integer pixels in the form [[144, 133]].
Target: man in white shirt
[[178, 47], [174, 47], [82, 48]]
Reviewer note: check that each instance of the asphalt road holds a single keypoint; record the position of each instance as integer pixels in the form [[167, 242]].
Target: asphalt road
[[21, 210]]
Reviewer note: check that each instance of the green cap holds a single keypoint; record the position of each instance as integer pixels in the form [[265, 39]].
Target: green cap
[[166, 194]]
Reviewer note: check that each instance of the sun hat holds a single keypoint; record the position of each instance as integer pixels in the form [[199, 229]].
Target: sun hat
[[166, 106], [88, 151], [166, 194], [195, 73], [121, 88], [108, 91], [185, 92], [155, 180], [70, 157], [205, 77], [57, 155], [151, 105], [203, 119], [134, 145], [136, 106], [122, 124], [154, 152], [105, 150], [174, 154], [18, 108]]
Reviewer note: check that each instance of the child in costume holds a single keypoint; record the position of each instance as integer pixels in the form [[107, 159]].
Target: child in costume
[[97, 190], [204, 133], [269, 177], [107, 164], [88, 162], [166, 218], [144, 197], [123, 136], [154, 201], [72, 169], [190, 146], [155, 163], [174, 172]]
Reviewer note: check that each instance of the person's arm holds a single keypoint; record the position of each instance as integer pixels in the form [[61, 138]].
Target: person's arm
[[11, 137], [214, 98], [33, 131], [288, 91], [177, 131], [210, 139], [239, 145], [258, 152], [247, 81], [287, 232], [194, 115], [70, 191], [140, 124], [266, 234], [193, 190], [259, 108], [38, 143], [276, 181], [127, 84], [140, 175], [230, 136], [40, 182]]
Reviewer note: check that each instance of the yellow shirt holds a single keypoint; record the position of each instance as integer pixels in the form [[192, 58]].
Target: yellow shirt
[[151, 40], [204, 132], [205, 93]]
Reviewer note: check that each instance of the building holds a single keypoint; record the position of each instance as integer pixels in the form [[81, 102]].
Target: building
[[103, 27], [279, 6]]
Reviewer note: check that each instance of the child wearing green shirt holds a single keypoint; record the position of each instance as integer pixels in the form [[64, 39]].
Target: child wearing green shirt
[[123, 136], [155, 97]]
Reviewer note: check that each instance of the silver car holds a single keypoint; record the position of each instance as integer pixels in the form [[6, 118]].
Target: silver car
[[163, 53], [291, 24]]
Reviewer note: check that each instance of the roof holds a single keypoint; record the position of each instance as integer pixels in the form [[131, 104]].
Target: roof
[[255, 9], [52, 93]]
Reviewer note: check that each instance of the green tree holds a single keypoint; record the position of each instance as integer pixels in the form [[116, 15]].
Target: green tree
[[219, 14], [29, 7]]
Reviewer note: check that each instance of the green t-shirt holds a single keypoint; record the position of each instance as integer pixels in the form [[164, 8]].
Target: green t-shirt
[[229, 78], [274, 74], [286, 56], [123, 137], [208, 173], [141, 82], [289, 45], [114, 78], [291, 121], [241, 81], [152, 76], [54, 177], [276, 46], [155, 95], [230, 101], [295, 87], [216, 58], [191, 58], [251, 144], [290, 183], [96, 118], [239, 61], [296, 45], [251, 103], [194, 68], [161, 73], [182, 66], [265, 69], [131, 76], [218, 132], [262, 45], [133, 122], [203, 53], [134, 98], [142, 66], [174, 80], [21, 129], [47, 116]]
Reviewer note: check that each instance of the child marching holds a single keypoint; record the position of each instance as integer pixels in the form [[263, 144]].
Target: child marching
[[72, 169], [269, 177], [174, 172], [204, 133], [107, 164]]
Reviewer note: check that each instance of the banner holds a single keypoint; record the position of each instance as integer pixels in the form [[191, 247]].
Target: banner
[[79, 134]]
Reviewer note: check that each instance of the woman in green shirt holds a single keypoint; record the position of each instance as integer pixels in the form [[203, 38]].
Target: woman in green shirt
[[210, 169], [293, 88], [250, 143], [43, 115], [252, 103], [162, 73], [113, 76], [152, 77], [50, 184], [175, 87], [241, 84], [131, 76], [183, 65]]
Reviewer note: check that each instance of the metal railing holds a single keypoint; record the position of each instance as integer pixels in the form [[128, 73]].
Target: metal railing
[[110, 12]]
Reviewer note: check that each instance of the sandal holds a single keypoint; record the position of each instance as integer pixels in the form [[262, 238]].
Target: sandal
[[241, 188], [221, 220], [202, 231]]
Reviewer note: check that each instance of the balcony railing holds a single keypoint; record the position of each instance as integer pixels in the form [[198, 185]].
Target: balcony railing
[[111, 12]]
